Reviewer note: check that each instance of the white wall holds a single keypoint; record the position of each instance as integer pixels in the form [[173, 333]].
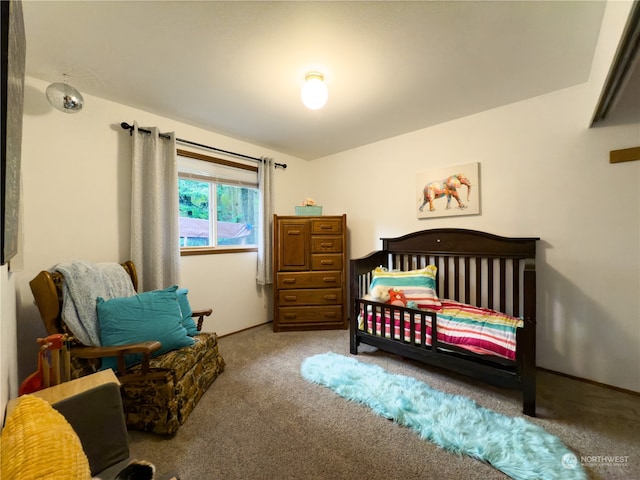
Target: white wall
[[8, 366], [543, 174]]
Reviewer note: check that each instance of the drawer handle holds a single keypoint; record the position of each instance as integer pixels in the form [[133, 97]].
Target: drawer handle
[[290, 316], [326, 244], [290, 298], [293, 232], [326, 262], [326, 226], [289, 281], [330, 297], [329, 279]]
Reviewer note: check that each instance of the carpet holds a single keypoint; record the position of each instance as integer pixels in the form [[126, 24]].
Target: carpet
[[514, 446]]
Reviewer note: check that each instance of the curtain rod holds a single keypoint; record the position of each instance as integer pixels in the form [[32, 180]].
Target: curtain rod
[[126, 126]]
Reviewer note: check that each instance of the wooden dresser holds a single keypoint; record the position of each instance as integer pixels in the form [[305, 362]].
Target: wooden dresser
[[310, 262]]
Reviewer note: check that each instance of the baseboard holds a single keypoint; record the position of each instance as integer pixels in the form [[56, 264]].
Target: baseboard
[[592, 382], [244, 329]]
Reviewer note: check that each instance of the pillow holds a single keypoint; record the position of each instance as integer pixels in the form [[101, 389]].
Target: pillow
[[419, 286], [147, 316], [38, 442], [187, 320]]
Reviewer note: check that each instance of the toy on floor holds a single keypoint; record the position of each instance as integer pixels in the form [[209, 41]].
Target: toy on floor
[[54, 364]]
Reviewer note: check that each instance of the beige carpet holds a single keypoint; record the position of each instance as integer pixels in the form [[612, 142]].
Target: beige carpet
[[262, 420]]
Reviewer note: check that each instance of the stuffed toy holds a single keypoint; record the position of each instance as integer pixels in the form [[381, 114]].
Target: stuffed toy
[[397, 298], [379, 293]]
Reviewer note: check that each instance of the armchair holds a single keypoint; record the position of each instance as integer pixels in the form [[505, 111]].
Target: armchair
[[158, 393]]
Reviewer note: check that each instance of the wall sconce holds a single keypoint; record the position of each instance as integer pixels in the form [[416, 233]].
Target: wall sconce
[[64, 97], [314, 91]]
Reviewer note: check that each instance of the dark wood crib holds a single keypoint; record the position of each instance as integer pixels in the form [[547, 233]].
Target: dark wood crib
[[475, 268]]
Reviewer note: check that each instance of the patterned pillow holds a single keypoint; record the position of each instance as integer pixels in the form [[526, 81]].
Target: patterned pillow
[[38, 442], [419, 286]]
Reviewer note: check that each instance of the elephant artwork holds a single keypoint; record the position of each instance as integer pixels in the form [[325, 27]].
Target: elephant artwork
[[458, 184], [445, 188]]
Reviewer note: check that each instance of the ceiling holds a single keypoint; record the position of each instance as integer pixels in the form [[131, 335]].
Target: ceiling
[[236, 68]]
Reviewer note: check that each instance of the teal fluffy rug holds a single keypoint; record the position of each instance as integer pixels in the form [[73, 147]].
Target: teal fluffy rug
[[514, 446]]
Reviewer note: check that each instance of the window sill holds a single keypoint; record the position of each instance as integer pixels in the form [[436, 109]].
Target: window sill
[[187, 251]]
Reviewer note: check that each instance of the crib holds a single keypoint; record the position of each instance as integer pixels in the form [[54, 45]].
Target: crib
[[487, 281]]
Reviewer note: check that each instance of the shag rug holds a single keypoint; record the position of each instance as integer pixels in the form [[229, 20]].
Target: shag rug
[[514, 446]]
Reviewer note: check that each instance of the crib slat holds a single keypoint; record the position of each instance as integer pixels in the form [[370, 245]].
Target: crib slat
[[434, 332], [490, 283], [478, 300], [436, 262], [456, 277], [467, 280], [503, 280], [515, 280], [446, 277]]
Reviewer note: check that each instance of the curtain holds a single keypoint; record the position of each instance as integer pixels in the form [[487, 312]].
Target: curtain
[[265, 243], [155, 241]]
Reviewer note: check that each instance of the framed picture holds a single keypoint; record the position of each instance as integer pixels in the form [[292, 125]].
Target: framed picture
[[13, 71], [449, 191]]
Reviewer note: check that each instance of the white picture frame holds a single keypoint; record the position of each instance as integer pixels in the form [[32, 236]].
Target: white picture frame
[[448, 191]]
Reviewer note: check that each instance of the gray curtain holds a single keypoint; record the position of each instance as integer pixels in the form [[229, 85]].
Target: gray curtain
[[265, 242], [155, 242]]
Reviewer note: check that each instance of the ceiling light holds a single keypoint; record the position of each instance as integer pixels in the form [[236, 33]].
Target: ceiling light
[[314, 91], [64, 97]]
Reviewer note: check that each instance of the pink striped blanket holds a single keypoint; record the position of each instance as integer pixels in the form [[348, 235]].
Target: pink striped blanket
[[476, 329]]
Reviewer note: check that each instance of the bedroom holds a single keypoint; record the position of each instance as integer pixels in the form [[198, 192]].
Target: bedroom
[[544, 174]]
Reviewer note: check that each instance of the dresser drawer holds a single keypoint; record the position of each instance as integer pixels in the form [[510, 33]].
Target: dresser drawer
[[326, 279], [325, 226], [327, 244], [325, 296], [326, 261], [311, 315]]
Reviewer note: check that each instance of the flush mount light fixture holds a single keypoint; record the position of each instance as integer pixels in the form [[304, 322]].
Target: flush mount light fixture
[[64, 97], [314, 91]]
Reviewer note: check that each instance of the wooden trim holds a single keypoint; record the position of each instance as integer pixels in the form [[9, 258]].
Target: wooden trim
[[591, 382], [244, 329], [187, 251], [622, 67], [624, 155], [220, 161]]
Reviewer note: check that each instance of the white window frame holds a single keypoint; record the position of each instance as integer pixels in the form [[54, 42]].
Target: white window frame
[[193, 165]]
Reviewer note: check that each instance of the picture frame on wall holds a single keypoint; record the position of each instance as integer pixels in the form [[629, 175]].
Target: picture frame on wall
[[448, 191], [13, 73]]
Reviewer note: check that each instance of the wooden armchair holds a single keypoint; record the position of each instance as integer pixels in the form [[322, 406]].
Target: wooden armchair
[[47, 291], [158, 393]]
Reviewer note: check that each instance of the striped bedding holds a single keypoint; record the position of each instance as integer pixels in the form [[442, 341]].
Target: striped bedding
[[476, 329]]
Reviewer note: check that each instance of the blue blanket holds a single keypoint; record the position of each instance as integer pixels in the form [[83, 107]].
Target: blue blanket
[[83, 284], [521, 449]]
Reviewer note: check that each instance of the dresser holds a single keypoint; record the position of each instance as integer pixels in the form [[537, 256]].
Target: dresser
[[310, 262]]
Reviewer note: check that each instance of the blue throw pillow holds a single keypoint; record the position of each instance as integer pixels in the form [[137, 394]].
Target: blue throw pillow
[[147, 316], [187, 320]]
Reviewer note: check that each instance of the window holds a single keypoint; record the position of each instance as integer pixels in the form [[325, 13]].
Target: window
[[219, 204]]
